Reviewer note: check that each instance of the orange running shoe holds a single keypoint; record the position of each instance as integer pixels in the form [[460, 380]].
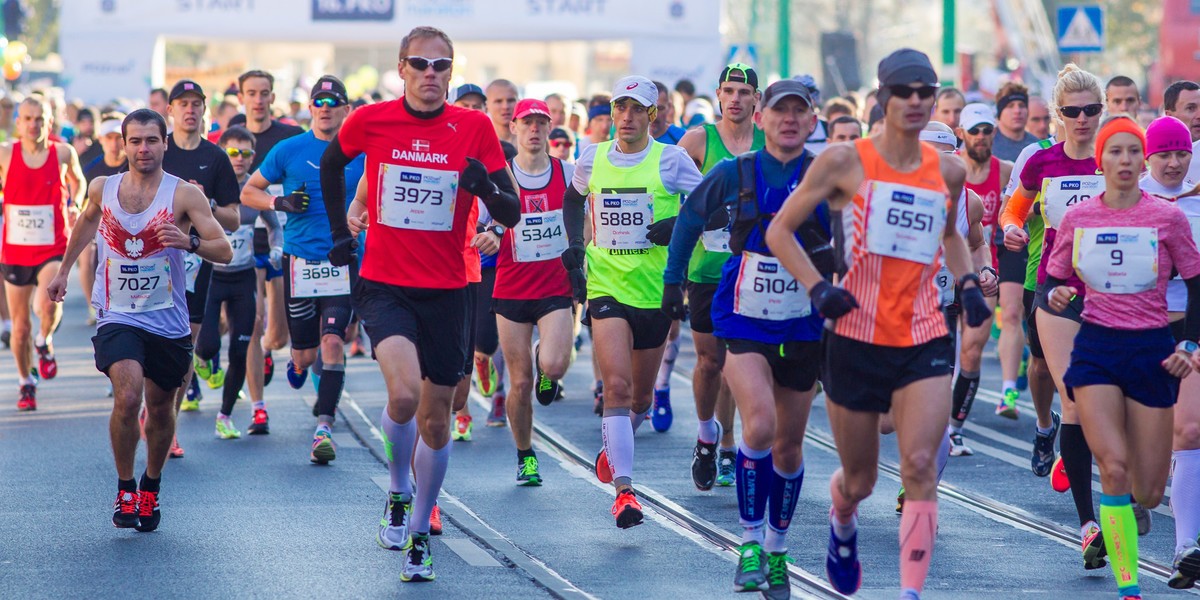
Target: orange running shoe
[[435, 521], [627, 510], [1058, 479]]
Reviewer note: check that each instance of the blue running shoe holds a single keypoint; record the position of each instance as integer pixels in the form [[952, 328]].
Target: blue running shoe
[[660, 415], [841, 564], [1023, 372], [296, 376]]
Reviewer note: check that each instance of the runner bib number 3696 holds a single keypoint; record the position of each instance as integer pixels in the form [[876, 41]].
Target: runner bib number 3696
[[620, 220], [417, 198], [1117, 260], [137, 286], [539, 236], [765, 290], [1061, 193], [314, 278], [905, 222], [30, 225]]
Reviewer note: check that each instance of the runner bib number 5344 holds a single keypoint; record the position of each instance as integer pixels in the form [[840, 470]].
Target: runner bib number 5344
[[539, 236], [314, 278], [765, 290], [1117, 260], [137, 286], [905, 222], [417, 198], [620, 221]]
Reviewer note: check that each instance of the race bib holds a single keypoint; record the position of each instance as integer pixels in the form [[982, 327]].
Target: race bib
[[539, 236], [765, 290], [1117, 260], [191, 268], [905, 222], [717, 240], [30, 225], [242, 242], [944, 282], [619, 221], [137, 286], [1061, 193], [417, 198], [1194, 223], [317, 278]]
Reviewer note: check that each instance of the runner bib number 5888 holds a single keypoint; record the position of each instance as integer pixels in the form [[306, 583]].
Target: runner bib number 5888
[[417, 198], [765, 290], [539, 236], [905, 222], [314, 278], [137, 286], [1061, 193], [30, 225], [1117, 260], [619, 221]]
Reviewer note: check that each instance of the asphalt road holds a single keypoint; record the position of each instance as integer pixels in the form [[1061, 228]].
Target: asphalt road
[[253, 518]]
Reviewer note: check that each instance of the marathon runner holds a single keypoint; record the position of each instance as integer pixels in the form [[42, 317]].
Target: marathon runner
[[662, 129], [561, 145], [43, 192], [532, 287], [1121, 97], [766, 322], [845, 129], [143, 344], [489, 369], [412, 292], [894, 352], [1038, 124], [633, 184], [1012, 114], [317, 293], [737, 93], [1125, 366], [948, 107], [501, 99]]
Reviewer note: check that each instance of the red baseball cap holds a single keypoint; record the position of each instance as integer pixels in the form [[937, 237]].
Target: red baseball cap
[[530, 106]]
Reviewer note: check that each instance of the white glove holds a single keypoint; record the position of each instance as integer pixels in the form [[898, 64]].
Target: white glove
[[276, 257]]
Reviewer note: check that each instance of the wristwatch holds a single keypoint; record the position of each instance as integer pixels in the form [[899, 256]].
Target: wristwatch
[[195, 244], [1187, 346], [989, 270], [497, 229]]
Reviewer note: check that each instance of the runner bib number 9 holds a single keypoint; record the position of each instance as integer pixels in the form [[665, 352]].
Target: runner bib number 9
[[317, 278], [30, 225], [765, 290], [1117, 260], [1061, 193], [539, 236], [137, 286], [619, 221], [242, 242], [905, 222], [416, 198]]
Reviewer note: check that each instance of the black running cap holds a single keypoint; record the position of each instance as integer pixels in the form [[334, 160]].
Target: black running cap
[[906, 66], [331, 86], [185, 86]]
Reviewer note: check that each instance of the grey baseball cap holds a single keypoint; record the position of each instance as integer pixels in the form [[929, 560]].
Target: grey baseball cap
[[784, 88]]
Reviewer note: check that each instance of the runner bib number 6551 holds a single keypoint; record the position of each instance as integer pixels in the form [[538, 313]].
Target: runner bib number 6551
[[1061, 193], [314, 278], [620, 220], [905, 222], [765, 290], [539, 236], [30, 225], [1117, 260], [417, 198], [137, 286]]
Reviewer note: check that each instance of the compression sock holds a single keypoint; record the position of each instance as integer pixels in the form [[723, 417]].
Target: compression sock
[[663, 381], [1119, 527], [637, 418], [1077, 460], [918, 526], [708, 431], [753, 472], [617, 433], [398, 442], [429, 467], [1185, 497], [329, 389], [785, 490], [965, 387], [943, 453]]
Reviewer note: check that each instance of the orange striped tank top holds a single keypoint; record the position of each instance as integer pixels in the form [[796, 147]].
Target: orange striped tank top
[[898, 297]]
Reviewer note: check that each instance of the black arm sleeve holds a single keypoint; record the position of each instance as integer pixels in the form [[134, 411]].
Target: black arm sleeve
[[503, 205], [573, 215], [225, 184], [1191, 322], [333, 188]]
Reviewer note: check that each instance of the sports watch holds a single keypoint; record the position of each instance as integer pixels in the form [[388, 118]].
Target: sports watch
[[1187, 346]]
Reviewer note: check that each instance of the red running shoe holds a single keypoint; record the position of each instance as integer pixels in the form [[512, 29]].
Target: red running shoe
[[47, 365], [176, 449], [28, 399], [1058, 479], [268, 369], [603, 470], [627, 510], [435, 521]]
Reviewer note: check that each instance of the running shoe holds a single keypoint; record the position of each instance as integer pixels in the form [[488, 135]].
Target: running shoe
[[660, 417], [627, 510], [527, 472], [900, 501], [28, 400], [259, 426], [1058, 479], [751, 573], [841, 563], [203, 368], [598, 399], [497, 417], [1042, 460], [125, 511], [1187, 567], [778, 586], [435, 520], [47, 364], [322, 448], [1008, 405], [462, 428], [1141, 514], [226, 430], [393, 527], [176, 450], [546, 390], [147, 510], [603, 470], [486, 377], [191, 398], [1093, 547], [295, 375], [958, 445], [704, 465], [418, 564], [1023, 370], [726, 467], [268, 369], [217, 379]]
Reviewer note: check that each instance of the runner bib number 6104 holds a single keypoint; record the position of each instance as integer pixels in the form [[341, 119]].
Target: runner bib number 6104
[[137, 286], [417, 198], [30, 225], [905, 222], [539, 236], [765, 290], [315, 278], [620, 221], [1117, 260], [1061, 193]]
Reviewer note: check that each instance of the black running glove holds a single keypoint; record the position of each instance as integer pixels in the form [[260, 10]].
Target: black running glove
[[295, 202], [572, 257], [672, 301], [718, 220], [831, 301], [343, 251], [578, 285], [475, 180], [659, 232], [971, 299]]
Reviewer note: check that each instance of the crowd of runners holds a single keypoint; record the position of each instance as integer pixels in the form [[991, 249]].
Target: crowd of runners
[[863, 249]]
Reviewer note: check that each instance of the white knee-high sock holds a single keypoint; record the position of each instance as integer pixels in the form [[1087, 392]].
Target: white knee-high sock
[[430, 467]]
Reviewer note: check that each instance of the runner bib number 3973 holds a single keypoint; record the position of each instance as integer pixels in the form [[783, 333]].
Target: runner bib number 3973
[[316, 278], [905, 222], [417, 198], [539, 236], [1061, 193], [765, 290], [137, 286], [30, 225], [620, 221], [1117, 260]]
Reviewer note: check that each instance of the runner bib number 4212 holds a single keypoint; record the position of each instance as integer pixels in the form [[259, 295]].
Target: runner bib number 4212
[[417, 198], [137, 286], [1117, 260], [765, 290], [620, 221], [539, 236], [314, 278], [30, 225], [1061, 193], [905, 222]]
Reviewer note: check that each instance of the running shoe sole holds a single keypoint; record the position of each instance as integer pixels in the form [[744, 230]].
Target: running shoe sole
[[1094, 553], [323, 453], [629, 516], [1187, 570]]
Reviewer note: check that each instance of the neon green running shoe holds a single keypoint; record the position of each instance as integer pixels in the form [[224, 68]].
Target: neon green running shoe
[[1008, 406], [226, 430], [217, 379], [751, 574], [418, 565], [203, 368], [486, 377], [527, 472], [778, 586]]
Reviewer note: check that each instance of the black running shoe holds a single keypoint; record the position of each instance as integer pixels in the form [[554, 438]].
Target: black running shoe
[[598, 399], [1043, 457], [125, 511], [268, 369], [544, 388], [147, 511]]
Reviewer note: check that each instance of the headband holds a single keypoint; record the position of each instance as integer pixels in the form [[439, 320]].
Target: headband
[[599, 110], [1006, 100], [1113, 127]]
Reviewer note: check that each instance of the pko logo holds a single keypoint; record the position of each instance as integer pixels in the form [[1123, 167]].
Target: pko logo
[[768, 268], [129, 269], [612, 203], [1106, 238], [410, 177], [903, 197], [1071, 185], [533, 220]]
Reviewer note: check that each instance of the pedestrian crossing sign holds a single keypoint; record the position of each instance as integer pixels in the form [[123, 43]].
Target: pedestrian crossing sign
[[1081, 29]]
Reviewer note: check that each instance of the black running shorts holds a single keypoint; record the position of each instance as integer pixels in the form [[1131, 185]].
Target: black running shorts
[[310, 319], [650, 325], [700, 299], [22, 276], [862, 377], [164, 360], [530, 311], [434, 320], [794, 365]]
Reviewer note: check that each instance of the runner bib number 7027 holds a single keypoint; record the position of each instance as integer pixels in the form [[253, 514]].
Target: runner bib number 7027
[[1061, 193], [905, 222], [315, 278], [539, 236], [1117, 260], [137, 286], [417, 198], [620, 221], [765, 290]]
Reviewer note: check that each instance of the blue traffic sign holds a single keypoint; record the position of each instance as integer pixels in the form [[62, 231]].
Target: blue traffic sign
[[1081, 29]]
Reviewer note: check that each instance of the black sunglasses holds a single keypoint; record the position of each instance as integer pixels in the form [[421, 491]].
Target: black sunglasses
[[421, 63], [1072, 112], [982, 129], [905, 92]]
